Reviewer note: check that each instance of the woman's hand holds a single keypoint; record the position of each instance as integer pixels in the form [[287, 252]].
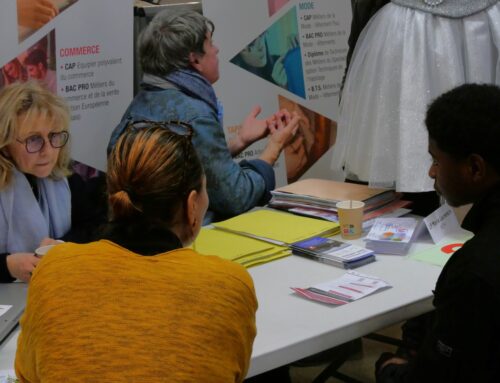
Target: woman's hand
[[251, 129], [394, 360], [281, 117], [21, 265], [282, 131], [49, 241], [386, 359]]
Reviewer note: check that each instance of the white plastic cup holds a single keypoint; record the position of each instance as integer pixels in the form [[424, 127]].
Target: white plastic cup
[[42, 250]]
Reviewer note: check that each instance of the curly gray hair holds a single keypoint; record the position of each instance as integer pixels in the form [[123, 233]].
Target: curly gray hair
[[167, 42]]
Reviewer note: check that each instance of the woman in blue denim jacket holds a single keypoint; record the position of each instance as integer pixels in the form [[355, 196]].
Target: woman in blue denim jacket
[[180, 65]]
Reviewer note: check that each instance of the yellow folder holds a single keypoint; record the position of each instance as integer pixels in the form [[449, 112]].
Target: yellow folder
[[238, 248], [277, 227]]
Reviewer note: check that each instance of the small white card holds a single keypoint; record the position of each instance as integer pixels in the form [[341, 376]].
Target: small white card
[[4, 309], [442, 223]]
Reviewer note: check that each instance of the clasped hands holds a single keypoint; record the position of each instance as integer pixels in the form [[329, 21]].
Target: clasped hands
[[281, 127]]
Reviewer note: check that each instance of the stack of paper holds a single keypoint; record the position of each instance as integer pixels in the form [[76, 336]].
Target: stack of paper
[[332, 252], [317, 198], [392, 235], [240, 249], [277, 227], [348, 288]]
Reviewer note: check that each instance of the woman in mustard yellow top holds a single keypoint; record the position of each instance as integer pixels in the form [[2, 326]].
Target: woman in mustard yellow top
[[138, 306]]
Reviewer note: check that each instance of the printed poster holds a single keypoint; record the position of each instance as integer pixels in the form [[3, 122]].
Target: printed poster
[[283, 54], [83, 51]]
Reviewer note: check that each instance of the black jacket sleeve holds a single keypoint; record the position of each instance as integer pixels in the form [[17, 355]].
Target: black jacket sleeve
[[5, 276], [88, 207]]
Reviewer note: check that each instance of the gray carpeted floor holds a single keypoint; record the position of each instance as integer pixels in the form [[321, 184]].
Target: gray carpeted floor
[[360, 366]]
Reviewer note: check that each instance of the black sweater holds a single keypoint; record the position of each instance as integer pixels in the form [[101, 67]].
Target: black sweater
[[463, 341]]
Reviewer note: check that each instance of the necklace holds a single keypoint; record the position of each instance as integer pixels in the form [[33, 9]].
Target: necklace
[[433, 3]]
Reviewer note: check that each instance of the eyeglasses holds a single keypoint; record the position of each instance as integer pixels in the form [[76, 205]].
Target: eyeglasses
[[36, 142], [178, 127]]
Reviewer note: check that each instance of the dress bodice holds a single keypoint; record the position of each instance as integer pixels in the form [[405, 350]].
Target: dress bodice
[[447, 8]]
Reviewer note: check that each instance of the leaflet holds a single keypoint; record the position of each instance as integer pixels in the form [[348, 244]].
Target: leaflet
[[348, 288]]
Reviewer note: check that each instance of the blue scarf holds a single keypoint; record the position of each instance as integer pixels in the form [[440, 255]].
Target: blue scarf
[[190, 82], [25, 221]]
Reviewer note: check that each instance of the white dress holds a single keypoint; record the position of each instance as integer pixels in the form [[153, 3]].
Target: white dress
[[404, 58]]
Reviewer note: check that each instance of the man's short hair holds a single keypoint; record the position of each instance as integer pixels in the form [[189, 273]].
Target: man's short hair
[[466, 120], [167, 42], [35, 57]]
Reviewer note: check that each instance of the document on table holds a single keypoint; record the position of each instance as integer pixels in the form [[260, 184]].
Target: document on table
[[348, 288], [440, 253], [392, 235], [227, 245], [333, 252], [258, 259], [243, 250], [277, 227]]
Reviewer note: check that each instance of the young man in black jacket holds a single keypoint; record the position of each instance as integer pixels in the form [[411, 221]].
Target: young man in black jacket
[[462, 343]]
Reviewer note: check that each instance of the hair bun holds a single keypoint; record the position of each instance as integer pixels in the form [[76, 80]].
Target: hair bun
[[122, 201]]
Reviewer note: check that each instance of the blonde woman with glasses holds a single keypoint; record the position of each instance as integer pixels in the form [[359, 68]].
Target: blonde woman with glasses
[[36, 194]]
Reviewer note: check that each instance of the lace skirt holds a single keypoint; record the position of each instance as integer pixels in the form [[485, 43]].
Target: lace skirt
[[405, 58]]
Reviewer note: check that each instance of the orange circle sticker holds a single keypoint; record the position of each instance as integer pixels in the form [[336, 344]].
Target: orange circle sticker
[[451, 248]]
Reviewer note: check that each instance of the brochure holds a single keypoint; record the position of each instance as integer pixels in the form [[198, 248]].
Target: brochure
[[348, 288], [333, 252], [392, 235]]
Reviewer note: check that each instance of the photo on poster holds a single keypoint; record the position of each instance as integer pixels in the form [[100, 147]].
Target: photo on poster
[[275, 55], [275, 5], [37, 62], [316, 134], [34, 14]]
